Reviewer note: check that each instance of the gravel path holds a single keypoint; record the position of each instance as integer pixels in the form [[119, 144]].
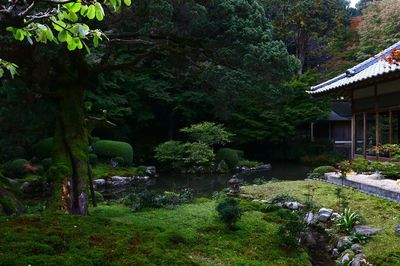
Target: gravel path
[[372, 180]]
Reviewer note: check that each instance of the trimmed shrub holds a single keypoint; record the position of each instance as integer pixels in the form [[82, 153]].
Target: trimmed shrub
[[324, 169], [93, 158], [46, 163], [44, 148], [108, 149], [119, 160], [229, 212], [230, 156], [17, 167]]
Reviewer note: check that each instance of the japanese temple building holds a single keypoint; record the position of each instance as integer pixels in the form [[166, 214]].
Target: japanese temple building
[[373, 87]]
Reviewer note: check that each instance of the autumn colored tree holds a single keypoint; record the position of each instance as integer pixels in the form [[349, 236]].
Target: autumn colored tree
[[379, 27]]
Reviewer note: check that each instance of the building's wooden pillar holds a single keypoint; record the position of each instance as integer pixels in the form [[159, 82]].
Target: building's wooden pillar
[[353, 136], [365, 135], [390, 128], [377, 124]]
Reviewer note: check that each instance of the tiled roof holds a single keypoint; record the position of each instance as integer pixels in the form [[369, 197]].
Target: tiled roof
[[370, 68]]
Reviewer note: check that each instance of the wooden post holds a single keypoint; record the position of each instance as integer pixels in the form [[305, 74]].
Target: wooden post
[[312, 132], [377, 124], [365, 135], [353, 136]]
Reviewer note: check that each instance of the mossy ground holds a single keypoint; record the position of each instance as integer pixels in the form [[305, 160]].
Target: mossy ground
[[105, 170], [382, 249], [113, 235]]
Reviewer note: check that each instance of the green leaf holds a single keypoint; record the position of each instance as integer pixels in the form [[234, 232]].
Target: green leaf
[[128, 2], [71, 45], [83, 29], [19, 34], [99, 12], [73, 7], [84, 10], [91, 12], [62, 36], [29, 40], [95, 41], [49, 34], [1, 72]]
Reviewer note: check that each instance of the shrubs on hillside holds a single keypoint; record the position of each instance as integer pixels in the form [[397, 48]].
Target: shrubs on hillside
[[110, 149]]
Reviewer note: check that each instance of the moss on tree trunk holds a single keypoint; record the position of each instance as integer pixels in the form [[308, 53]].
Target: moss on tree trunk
[[70, 170]]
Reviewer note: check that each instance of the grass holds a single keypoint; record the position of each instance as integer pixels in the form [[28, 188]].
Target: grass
[[113, 235], [105, 171], [382, 249]]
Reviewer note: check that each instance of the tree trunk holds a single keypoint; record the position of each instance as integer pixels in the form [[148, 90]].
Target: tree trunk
[[71, 164]]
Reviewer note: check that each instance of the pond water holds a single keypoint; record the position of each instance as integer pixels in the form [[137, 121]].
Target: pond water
[[205, 185]]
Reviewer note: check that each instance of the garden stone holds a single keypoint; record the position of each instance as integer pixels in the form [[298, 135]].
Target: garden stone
[[263, 201], [335, 215], [359, 260], [366, 230], [99, 182], [356, 248], [151, 170], [335, 253], [324, 214], [310, 217], [398, 229], [292, 205], [344, 259], [343, 243], [377, 176]]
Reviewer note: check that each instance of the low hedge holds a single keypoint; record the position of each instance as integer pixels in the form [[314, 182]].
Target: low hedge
[[109, 149], [324, 169], [43, 149], [230, 156]]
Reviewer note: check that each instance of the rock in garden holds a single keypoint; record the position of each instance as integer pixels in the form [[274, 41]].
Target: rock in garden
[[398, 229], [324, 214], [151, 170], [345, 259], [263, 201], [99, 182], [335, 253], [359, 260], [356, 248], [294, 205], [343, 243], [366, 230], [310, 217], [335, 215]]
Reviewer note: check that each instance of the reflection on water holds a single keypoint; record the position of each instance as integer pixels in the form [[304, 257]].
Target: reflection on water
[[207, 184]]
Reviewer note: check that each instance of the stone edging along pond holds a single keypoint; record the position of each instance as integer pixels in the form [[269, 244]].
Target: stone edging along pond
[[363, 187]]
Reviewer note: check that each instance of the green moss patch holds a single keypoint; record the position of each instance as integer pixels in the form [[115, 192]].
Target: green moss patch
[[113, 235]]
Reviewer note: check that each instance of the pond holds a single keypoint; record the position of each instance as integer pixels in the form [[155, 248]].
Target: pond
[[205, 185]]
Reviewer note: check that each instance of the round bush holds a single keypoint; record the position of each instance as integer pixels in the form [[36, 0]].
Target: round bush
[[108, 149], [93, 158], [44, 148], [46, 163], [17, 167], [324, 169], [230, 156]]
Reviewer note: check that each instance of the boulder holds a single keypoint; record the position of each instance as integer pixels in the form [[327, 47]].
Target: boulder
[[366, 230], [359, 260], [356, 248], [343, 243], [324, 214], [398, 229], [346, 257], [335, 253], [293, 205], [335, 215], [99, 183], [309, 218], [150, 170]]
